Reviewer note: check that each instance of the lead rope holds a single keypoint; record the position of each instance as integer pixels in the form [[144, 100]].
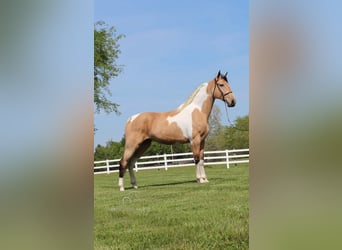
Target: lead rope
[[231, 124], [225, 106]]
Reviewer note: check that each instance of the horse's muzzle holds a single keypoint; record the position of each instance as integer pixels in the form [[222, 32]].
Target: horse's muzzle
[[231, 103]]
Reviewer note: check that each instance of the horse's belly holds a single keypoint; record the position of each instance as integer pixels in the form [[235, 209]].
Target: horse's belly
[[170, 133]]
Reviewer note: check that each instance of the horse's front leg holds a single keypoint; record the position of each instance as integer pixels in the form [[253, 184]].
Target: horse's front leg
[[203, 176], [198, 152]]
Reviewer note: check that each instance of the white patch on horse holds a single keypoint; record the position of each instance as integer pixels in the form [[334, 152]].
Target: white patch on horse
[[184, 117], [132, 118], [184, 122]]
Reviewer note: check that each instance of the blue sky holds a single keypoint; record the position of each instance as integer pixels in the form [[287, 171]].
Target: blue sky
[[170, 48]]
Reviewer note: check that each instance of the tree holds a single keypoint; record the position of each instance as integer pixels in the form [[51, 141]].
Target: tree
[[157, 148], [229, 137], [112, 150], [215, 120], [215, 138], [106, 52], [238, 134]]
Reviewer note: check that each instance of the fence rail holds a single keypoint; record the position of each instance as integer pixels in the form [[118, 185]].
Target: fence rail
[[166, 161]]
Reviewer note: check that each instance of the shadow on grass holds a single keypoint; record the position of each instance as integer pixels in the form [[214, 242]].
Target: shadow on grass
[[212, 180], [164, 184]]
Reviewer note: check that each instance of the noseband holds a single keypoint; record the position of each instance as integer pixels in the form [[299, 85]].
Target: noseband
[[221, 91]]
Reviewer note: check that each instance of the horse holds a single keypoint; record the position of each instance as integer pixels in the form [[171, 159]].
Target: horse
[[186, 124]]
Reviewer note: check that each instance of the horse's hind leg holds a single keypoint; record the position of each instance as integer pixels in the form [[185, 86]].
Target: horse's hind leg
[[131, 154], [122, 170], [125, 162], [138, 153]]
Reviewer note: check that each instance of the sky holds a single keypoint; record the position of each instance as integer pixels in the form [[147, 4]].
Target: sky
[[169, 49]]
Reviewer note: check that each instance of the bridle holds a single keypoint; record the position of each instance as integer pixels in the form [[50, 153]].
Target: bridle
[[223, 95], [221, 91]]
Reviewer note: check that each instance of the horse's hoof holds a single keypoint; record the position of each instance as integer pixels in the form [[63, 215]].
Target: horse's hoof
[[122, 189], [202, 180], [135, 187]]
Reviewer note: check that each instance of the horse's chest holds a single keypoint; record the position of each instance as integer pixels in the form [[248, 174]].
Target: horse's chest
[[188, 123]]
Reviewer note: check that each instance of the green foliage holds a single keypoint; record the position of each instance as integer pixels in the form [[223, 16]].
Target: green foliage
[[215, 120], [181, 148], [217, 140], [170, 210], [158, 148], [229, 137], [106, 52], [112, 150], [238, 135]]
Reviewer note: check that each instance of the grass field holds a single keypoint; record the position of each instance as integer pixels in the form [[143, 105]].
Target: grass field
[[170, 210]]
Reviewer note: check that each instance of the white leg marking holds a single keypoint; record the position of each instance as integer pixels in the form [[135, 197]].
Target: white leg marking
[[121, 184], [204, 177], [201, 176], [198, 173]]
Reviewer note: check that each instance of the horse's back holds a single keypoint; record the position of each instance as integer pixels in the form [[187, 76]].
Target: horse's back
[[155, 126], [140, 123]]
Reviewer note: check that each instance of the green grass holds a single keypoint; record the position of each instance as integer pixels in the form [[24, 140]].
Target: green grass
[[170, 210]]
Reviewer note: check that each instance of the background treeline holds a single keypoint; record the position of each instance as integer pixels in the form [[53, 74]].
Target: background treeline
[[220, 137]]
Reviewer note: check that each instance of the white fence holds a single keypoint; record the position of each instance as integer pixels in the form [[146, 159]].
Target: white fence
[[166, 161]]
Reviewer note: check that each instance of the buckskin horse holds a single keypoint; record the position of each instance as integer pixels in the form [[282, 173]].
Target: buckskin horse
[[187, 123]]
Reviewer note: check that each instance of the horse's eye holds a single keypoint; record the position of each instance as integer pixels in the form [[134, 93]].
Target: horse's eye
[[221, 84]]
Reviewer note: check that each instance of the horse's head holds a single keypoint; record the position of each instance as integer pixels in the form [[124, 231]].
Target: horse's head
[[222, 90]]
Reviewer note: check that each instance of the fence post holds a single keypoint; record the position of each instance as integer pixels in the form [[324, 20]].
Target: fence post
[[107, 164], [227, 158], [165, 161], [136, 166]]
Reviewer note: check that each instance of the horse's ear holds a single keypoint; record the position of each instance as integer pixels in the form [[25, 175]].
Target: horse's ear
[[218, 74], [225, 74]]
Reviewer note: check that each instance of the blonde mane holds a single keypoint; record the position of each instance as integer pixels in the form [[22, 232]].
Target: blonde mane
[[190, 98]]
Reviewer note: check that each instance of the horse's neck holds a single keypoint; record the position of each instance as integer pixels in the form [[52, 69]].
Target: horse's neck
[[200, 99]]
